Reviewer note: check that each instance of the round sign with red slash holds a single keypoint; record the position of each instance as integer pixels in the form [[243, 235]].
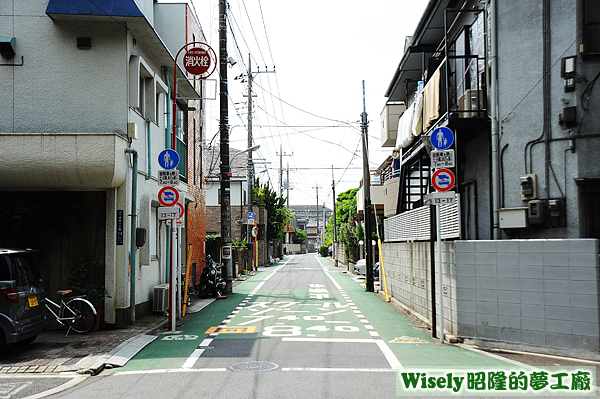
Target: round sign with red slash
[[442, 179], [200, 61], [168, 196]]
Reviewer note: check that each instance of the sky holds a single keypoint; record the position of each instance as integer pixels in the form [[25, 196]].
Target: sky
[[307, 113]]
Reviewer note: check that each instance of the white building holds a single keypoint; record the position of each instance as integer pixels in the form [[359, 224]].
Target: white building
[[83, 85]]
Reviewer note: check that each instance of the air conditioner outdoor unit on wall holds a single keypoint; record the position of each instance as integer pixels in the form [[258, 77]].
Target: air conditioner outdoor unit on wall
[[471, 100], [160, 301]]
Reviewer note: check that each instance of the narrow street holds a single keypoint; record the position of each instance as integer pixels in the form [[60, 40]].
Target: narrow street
[[300, 329]]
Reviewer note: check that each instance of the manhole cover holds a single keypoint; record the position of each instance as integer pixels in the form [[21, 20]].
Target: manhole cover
[[254, 367]]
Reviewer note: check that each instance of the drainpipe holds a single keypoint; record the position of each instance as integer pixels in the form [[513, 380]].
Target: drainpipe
[[133, 228], [149, 175], [494, 116]]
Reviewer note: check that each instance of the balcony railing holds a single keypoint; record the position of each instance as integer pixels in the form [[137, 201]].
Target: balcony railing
[[181, 148]]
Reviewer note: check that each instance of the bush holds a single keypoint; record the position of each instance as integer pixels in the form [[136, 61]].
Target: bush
[[324, 250]]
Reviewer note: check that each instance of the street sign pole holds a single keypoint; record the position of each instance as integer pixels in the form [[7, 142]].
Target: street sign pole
[[440, 274], [172, 279]]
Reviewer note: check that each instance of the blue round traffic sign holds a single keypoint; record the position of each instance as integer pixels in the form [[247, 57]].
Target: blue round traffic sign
[[168, 159], [442, 180], [168, 196], [442, 138], [250, 215]]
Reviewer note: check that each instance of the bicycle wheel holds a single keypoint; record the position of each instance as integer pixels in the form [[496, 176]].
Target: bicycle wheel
[[83, 314]]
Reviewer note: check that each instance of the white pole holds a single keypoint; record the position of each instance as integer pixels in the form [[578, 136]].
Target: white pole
[[440, 274], [178, 307], [173, 280]]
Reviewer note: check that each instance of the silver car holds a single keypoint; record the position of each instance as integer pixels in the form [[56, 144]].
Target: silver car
[[22, 303]]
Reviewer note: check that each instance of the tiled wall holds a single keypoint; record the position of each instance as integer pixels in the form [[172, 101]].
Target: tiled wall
[[536, 292], [408, 272]]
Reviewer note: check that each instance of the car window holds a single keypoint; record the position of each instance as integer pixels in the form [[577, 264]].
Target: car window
[[20, 269], [6, 280]]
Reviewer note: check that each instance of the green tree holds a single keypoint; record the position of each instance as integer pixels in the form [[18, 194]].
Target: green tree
[[277, 213], [299, 237], [349, 231]]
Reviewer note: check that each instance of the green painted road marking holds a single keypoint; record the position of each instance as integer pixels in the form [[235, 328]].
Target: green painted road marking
[[390, 324]]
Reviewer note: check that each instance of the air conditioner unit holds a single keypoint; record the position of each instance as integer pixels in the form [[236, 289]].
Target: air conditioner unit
[[471, 100], [160, 301]]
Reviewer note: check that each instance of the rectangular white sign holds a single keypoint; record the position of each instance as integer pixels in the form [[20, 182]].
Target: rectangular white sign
[[442, 159], [168, 212], [168, 177], [440, 198]]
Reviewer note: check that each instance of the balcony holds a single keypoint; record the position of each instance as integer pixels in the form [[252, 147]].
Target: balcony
[[181, 148]]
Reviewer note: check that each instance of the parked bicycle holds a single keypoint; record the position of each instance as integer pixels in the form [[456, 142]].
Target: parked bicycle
[[77, 313]]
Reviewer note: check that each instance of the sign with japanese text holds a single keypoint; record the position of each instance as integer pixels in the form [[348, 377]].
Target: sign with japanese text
[[168, 177], [200, 61], [442, 159]]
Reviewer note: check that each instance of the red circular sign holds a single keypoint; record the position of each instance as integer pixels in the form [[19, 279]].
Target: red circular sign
[[197, 61], [168, 196], [442, 179]]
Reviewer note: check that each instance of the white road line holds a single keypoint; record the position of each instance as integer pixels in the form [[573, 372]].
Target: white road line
[[193, 358], [387, 352], [389, 355], [189, 363]]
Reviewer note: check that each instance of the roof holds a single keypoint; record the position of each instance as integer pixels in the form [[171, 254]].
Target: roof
[[213, 161], [122, 8], [426, 39]]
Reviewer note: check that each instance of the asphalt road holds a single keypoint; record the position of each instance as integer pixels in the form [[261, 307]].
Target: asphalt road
[[301, 329]]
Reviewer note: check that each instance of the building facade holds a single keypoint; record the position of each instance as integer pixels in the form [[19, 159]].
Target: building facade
[[85, 109], [514, 83]]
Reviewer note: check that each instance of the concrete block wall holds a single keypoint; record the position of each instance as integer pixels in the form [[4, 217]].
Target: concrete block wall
[[408, 272], [542, 293]]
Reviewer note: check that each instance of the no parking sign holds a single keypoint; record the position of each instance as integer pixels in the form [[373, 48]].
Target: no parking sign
[[442, 180], [168, 196]]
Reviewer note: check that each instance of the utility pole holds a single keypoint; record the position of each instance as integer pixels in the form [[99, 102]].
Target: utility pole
[[250, 167], [281, 155], [318, 232], [367, 193], [287, 185], [334, 220], [224, 150]]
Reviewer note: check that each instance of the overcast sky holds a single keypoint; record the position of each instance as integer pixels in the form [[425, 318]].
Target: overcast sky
[[321, 51]]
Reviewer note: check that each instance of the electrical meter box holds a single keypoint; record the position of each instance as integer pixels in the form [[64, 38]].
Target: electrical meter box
[[513, 218], [226, 252], [536, 212], [528, 187]]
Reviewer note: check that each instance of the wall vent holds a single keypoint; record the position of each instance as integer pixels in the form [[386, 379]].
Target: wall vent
[[84, 43]]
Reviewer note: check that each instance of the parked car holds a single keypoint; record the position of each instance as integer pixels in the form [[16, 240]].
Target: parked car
[[361, 268], [22, 303]]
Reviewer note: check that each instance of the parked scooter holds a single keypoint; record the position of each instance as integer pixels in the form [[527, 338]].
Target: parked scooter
[[211, 282]]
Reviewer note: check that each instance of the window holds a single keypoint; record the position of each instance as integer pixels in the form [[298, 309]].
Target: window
[[414, 183], [591, 27], [142, 90], [142, 95]]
